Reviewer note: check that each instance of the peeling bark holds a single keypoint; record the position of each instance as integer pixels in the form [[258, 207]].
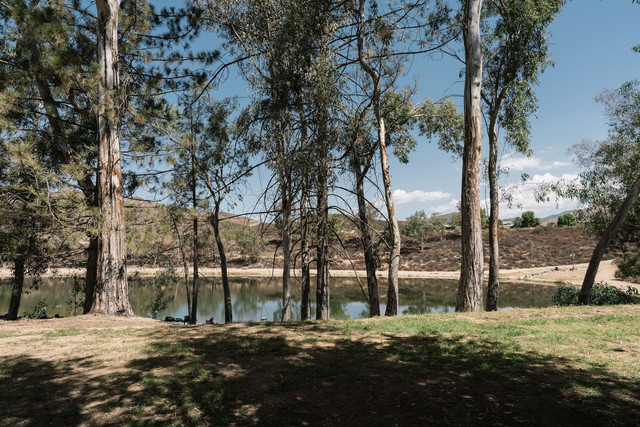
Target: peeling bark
[[112, 290], [469, 296]]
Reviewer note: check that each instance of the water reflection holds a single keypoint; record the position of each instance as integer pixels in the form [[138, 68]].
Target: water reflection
[[254, 299]]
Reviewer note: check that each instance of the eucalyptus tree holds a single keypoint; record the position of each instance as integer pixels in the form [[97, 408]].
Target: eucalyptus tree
[[516, 51], [610, 185], [222, 174], [374, 71], [469, 297]]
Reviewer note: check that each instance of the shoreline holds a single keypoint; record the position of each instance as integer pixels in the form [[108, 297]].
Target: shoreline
[[538, 275]]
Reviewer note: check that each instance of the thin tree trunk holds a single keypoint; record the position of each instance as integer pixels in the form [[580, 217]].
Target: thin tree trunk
[[193, 316], [305, 302], [370, 258], [605, 240], [323, 311], [91, 273], [16, 288], [112, 291], [469, 296], [286, 252], [214, 219], [185, 264], [494, 249], [394, 256]]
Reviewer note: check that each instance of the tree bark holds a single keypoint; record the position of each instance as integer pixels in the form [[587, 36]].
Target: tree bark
[[394, 256], [603, 243], [323, 311], [494, 249], [16, 287], [286, 252], [215, 223], [112, 290], [193, 317], [469, 296], [370, 258]]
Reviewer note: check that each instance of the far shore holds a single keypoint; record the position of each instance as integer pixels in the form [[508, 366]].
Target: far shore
[[552, 275]]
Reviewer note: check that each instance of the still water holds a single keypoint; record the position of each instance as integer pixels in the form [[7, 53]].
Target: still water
[[254, 299]]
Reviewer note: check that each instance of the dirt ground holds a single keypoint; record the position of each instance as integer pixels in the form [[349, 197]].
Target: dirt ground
[[98, 370]]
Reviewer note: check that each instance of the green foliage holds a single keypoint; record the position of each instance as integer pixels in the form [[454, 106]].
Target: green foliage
[[567, 220], [248, 241], [76, 299], [601, 294], [528, 219], [566, 295], [442, 120], [418, 226], [161, 281], [610, 169], [628, 265]]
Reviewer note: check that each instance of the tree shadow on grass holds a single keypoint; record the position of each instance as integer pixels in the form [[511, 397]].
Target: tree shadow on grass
[[230, 377]]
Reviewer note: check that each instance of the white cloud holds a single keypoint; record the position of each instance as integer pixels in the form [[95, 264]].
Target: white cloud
[[452, 206], [401, 196], [524, 197], [520, 163]]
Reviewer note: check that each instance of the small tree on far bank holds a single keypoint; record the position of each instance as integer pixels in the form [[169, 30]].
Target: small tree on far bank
[[527, 220], [419, 226], [567, 220]]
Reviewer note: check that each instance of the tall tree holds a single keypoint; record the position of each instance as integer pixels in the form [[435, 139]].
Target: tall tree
[[611, 184], [469, 296], [112, 292], [376, 81], [516, 51]]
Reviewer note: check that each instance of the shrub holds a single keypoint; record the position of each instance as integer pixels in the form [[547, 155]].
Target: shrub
[[567, 220], [601, 294], [528, 219], [160, 300], [628, 266], [566, 295]]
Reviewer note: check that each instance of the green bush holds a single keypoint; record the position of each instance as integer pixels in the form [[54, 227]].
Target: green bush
[[601, 294], [567, 220], [566, 295], [160, 300], [628, 266]]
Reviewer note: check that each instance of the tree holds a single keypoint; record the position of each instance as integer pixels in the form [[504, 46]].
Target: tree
[[516, 51], [419, 226], [376, 100], [611, 184], [567, 220], [469, 296], [112, 292], [526, 220]]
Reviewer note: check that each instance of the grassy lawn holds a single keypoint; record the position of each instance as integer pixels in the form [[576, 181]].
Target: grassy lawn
[[568, 366]]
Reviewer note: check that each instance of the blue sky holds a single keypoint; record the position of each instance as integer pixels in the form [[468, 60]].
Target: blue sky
[[591, 47]]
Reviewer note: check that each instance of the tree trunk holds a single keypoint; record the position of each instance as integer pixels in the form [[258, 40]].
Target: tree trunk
[[286, 252], [183, 256], [90, 274], [112, 291], [323, 311], [16, 288], [603, 243], [193, 316], [370, 257], [494, 249], [470, 287], [305, 301], [394, 256], [214, 219]]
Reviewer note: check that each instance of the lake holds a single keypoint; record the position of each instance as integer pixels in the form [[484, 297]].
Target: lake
[[254, 299]]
